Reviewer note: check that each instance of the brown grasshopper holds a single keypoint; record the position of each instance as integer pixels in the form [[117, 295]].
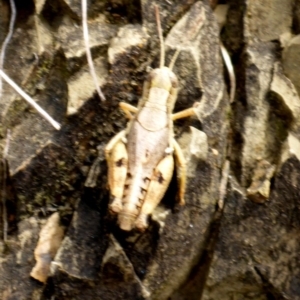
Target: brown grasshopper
[[141, 157]]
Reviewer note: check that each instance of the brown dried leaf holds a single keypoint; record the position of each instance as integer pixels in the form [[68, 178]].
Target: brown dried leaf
[[50, 239]]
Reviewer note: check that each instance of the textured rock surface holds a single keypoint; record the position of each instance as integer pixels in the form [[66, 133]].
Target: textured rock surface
[[249, 249], [255, 254]]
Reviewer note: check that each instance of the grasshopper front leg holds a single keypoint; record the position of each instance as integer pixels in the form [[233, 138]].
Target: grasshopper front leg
[[128, 109], [117, 159]]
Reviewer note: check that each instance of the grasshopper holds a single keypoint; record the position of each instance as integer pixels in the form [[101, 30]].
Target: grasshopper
[[141, 157]]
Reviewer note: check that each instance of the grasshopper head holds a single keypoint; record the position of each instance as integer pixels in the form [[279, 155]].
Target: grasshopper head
[[162, 87], [163, 78]]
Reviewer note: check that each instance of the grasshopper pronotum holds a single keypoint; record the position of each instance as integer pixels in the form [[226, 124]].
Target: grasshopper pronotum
[[141, 157]]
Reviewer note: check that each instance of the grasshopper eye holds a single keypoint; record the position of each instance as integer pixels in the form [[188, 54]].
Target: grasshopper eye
[[152, 75], [174, 80]]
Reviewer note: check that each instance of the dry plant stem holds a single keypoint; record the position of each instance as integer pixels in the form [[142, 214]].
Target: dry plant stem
[[3, 189], [8, 136], [87, 48], [7, 39], [230, 70], [3, 200], [41, 111], [223, 184], [221, 13]]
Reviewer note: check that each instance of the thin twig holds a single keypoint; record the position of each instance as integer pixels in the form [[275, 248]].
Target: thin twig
[[87, 49], [40, 110], [7, 39]]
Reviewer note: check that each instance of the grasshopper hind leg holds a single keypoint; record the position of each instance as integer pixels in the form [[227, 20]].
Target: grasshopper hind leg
[[159, 183], [117, 160], [180, 170]]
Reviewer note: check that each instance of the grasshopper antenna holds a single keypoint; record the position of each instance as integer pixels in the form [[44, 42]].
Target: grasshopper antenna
[[190, 34], [174, 58], [162, 44], [161, 39]]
